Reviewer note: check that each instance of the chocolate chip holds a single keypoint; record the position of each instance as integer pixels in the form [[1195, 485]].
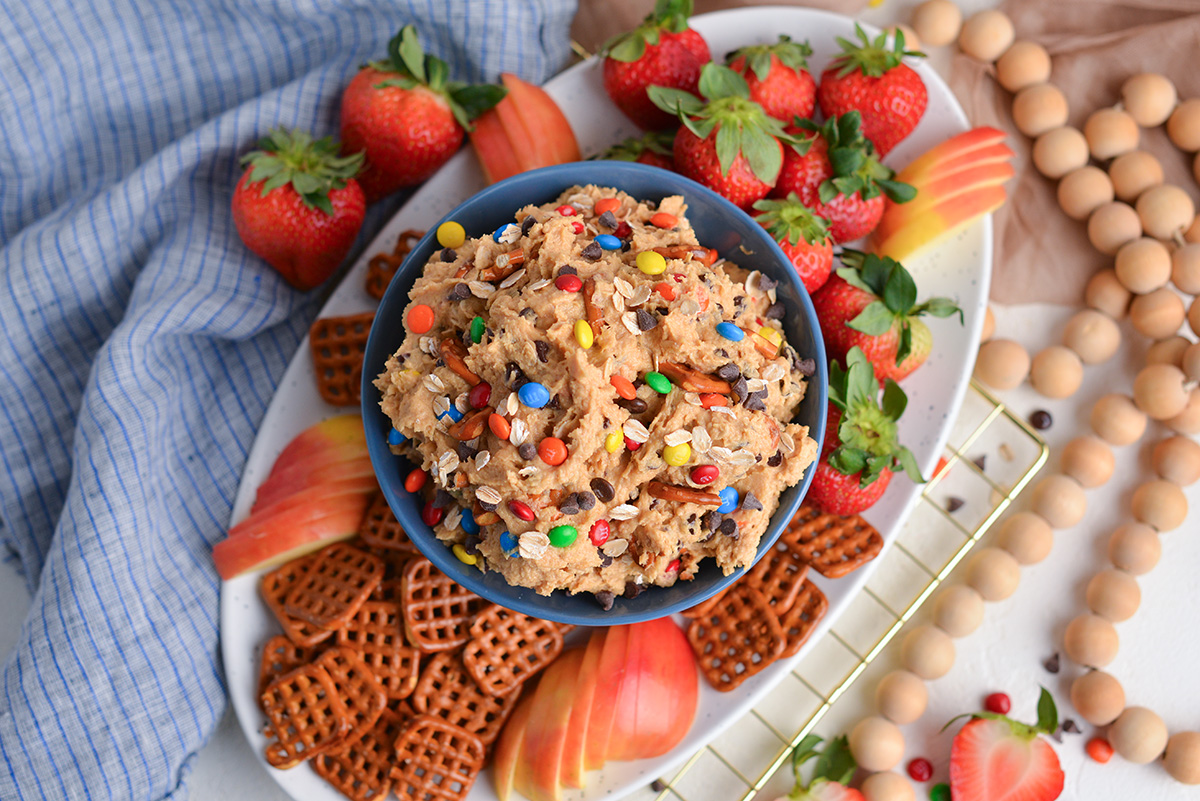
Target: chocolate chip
[[605, 599], [554, 403], [953, 504], [738, 302], [749, 501], [487, 507], [766, 283], [1052, 664], [528, 313], [527, 224], [527, 451], [634, 405], [448, 255], [724, 354], [587, 501], [1041, 420], [605, 561], [465, 451], [729, 372], [711, 520], [645, 320], [740, 390], [755, 405], [592, 252], [567, 270], [514, 376], [471, 544], [728, 527], [604, 489], [569, 505], [654, 503], [806, 367], [980, 462], [626, 246], [776, 311], [632, 590], [775, 460], [657, 785], [608, 220], [459, 292], [441, 499], [543, 350], [1071, 727]]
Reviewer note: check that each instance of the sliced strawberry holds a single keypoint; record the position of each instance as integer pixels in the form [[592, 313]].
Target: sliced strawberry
[[994, 758], [778, 77], [834, 769], [802, 235]]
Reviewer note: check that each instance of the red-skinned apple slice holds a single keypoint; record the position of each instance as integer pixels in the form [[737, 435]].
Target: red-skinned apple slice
[[573, 764], [524, 131], [508, 749], [608, 687], [492, 147], [938, 192], [275, 489], [967, 142], [938, 222], [657, 702], [300, 507], [539, 765]]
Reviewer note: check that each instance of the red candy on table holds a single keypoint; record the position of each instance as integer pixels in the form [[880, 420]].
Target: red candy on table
[[568, 283], [705, 473], [415, 480], [553, 451], [521, 510], [1099, 749], [599, 533], [998, 703], [920, 769], [480, 394]]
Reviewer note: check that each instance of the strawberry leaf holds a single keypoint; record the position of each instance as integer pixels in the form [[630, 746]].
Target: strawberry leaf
[[894, 399], [874, 320], [474, 100], [1047, 713], [729, 144], [940, 307], [406, 52], [630, 48], [900, 291], [791, 222], [905, 346], [836, 764], [896, 191], [805, 750], [676, 101], [312, 168], [908, 462], [848, 461], [717, 82], [791, 54], [763, 152]]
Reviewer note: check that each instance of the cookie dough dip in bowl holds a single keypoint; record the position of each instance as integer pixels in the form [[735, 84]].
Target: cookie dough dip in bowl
[[594, 393]]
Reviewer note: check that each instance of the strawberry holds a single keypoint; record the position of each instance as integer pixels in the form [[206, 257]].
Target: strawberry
[[872, 79], [406, 116], [861, 448], [653, 148], [778, 77], [871, 303], [662, 51], [835, 173], [835, 767], [803, 237], [728, 143], [298, 206], [994, 758]]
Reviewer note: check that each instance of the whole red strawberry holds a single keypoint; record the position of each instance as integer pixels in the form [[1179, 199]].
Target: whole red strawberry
[[861, 448], [662, 51], [297, 205], [871, 303], [803, 237], [653, 148], [870, 77], [406, 116], [747, 163], [994, 758], [835, 768], [778, 77], [835, 173]]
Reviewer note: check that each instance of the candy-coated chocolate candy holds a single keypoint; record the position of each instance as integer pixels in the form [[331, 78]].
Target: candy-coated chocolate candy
[[677, 455], [499, 425], [431, 515], [562, 536], [553, 451], [612, 442], [521, 510], [479, 395], [454, 414], [608, 242], [395, 437], [633, 446], [568, 283], [664, 220], [730, 332], [583, 334], [533, 395], [566, 211], [450, 234], [673, 566], [729, 500], [577, 226], [705, 473], [599, 533], [463, 556], [477, 328], [415, 480], [468, 522], [503, 230], [651, 263], [623, 386], [420, 319], [606, 204], [658, 382], [508, 543]]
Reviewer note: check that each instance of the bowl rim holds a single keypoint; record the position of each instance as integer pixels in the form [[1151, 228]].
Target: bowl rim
[[532, 182]]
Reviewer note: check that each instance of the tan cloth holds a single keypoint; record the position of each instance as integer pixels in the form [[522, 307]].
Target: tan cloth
[[1041, 254]]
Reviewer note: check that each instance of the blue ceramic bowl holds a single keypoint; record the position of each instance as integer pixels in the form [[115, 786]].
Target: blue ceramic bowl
[[719, 224]]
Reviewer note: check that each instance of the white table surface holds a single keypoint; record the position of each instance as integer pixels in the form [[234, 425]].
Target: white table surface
[[1004, 655]]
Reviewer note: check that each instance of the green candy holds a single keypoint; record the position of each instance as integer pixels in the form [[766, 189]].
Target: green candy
[[562, 536], [477, 329], [658, 382], [940, 792]]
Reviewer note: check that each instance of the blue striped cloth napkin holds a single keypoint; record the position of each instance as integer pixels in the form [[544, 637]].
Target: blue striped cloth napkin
[[142, 342]]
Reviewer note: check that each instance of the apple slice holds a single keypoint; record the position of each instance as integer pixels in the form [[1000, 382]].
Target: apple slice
[[608, 687], [299, 508], [940, 190], [940, 221], [492, 147], [573, 764], [539, 764], [657, 703], [508, 749], [274, 489], [524, 131], [967, 142]]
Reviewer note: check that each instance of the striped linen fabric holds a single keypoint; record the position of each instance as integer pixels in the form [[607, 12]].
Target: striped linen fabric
[[141, 342]]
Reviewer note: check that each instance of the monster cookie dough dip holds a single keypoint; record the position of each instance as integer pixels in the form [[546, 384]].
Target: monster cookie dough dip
[[600, 402]]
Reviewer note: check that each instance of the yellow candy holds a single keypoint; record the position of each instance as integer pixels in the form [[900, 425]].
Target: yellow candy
[[677, 455], [771, 335], [451, 235], [651, 263], [612, 443], [583, 334], [463, 556]]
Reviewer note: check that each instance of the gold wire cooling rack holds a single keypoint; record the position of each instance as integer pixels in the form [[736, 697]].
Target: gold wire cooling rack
[[991, 456]]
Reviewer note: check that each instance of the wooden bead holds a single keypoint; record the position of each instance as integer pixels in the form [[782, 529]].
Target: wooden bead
[[1177, 459], [887, 786], [1185, 268], [1190, 363], [1133, 173], [1196, 175], [876, 744], [986, 35], [1110, 132], [1138, 735], [1158, 313], [1027, 537], [937, 22], [1182, 759], [1093, 335], [993, 573], [1059, 500], [958, 610], [901, 697], [1084, 190], [1089, 460], [1091, 641], [1165, 211], [1183, 126], [911, 40], [1192, 234], [1060, 151], [1097, 697], [1158, 390], [1113, 595], [928, 652], [1193, 316], [1105, 293], [1149, 98], [1024, 64], [1041, 108], [1056, 372], [989, 325], [1134, 548], [1187, 421], [1002, 364], [1168, 351], [1112, 225], [1160, 505], [1117, 421], [1143, 265]]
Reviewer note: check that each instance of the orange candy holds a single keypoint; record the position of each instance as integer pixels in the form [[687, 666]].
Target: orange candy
[[664, 220], [710, 399], [607, 204], [665, 289], [420, 319], [499, 426], [624, 387], [553, 451]]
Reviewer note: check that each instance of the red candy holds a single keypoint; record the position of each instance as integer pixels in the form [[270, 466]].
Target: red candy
[[1099, 749], [568, 283], [521, 510], [633, 446], [415, 480], [623, 231], [599, 533], [678, 277], [553, 451], [577, 227], [920, 769], [705, 474], [998, 703], [430, 515], [480, 394], [673, 566], [566, 211]]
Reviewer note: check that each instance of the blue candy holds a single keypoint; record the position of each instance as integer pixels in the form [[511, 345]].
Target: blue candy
[[533, 395], [729, 500], [454, 414], [396, 438], [468, 522], [608, 242], [731, 332], [500, 231], [508, 543]]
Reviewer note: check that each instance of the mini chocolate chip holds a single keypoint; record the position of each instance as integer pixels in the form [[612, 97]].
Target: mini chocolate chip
[[608, 220], [487, 507], [657, 785], [749, 501], [448, 255], [605, 561], [634, 405], [953, 504], [980, 462], [471, 544], [1052, 664], [729, 372], [806, 367], [724, 354], [755, 404], [528, 313], [440, 362], [514, 376], [465, 451], [587, 501], [740, 390], [738, 302], [654, 503], [711, 520], [527, 224], [626, 246], [554, 403], [729, 527], [543, 350], [527, 451], [776, 311], [604, 489], [569, 505], [605, 599], [1041, 420], [632, 590], [592, 252], [441, 499], [645, 320], [775, 460], [766, 283], [401, 358], [567, 269], [459, 292], [1071, 727]]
